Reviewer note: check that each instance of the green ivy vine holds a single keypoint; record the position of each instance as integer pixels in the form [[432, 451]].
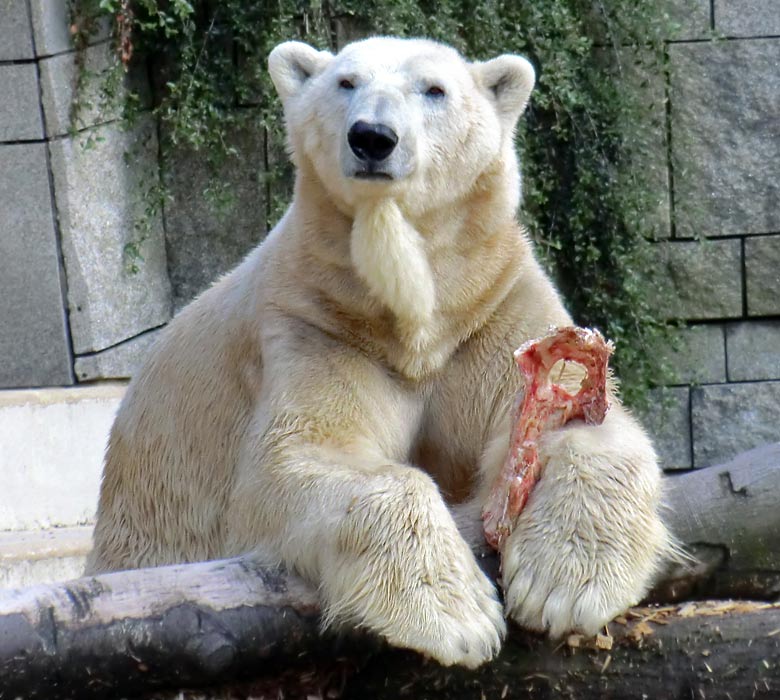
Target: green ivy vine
[[590, 198]]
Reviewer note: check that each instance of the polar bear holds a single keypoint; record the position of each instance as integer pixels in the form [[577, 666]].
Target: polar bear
[[339, 403]]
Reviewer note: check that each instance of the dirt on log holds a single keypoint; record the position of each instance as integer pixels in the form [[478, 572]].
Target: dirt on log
[[712, 651]]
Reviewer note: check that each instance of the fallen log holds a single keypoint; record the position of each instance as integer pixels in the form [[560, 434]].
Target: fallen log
[[135, 631], [715, 651], [199, 624], [728, 517]]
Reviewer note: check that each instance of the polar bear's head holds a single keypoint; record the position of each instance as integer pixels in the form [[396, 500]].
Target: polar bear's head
[[403, 118]]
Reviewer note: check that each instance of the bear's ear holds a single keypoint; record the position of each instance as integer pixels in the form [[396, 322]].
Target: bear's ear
[[508, 80], [292, 63]]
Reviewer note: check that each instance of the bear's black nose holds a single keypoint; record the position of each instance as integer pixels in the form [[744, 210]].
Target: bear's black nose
[[371, 141]]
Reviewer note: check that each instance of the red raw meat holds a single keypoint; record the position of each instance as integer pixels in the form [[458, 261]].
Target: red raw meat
[[542, 406]]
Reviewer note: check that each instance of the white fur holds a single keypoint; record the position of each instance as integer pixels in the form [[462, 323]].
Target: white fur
[[389, 255], [510, 79], [321, 404], [292, 63]]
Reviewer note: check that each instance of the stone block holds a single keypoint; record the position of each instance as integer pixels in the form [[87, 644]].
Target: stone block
[[118, 362], [668, 421], [641, 74], [701, 279], [698, 356], [113, 247], [678, 20], [15, 31], [753, 350], [34, 349], [745, 18], [207, 237], [20, 109], [94, 103], [762, 272], [691, 19], [730, 418], [51, 454], [51, 27], [725, 98]]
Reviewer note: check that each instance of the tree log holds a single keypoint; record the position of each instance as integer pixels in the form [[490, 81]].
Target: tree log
[[728, 517], [134, 631], [224, 621]]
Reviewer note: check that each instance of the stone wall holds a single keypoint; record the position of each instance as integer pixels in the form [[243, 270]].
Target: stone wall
[[721, 256], [85, 287], [70, 200]]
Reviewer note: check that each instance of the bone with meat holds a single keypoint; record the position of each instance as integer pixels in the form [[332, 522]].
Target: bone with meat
[[543, 405]]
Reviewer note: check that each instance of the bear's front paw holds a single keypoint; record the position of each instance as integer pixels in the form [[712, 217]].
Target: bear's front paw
[[437, 602], [559, 579], [548, 592], [590, 539], [456, 619], [401, 569]]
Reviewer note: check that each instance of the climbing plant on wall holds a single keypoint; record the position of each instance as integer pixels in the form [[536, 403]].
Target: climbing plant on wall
[[588, 201]]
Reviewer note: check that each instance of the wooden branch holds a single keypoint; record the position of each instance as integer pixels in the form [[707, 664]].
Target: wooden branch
[[728, 517], [138, 630], [222, 621]]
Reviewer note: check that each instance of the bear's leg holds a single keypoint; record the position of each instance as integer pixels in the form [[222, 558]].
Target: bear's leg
[[377, 539], [590, 539]]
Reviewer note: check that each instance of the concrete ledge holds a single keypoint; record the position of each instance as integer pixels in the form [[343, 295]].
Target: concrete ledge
[[36, 545], [51, 454], [51, 396], [28, 558]]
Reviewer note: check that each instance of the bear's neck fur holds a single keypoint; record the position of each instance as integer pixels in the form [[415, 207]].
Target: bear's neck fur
[[389, 255], [404, 262]]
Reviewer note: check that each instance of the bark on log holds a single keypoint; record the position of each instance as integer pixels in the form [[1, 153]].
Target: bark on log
[[728, 517], [134, 631], [187, 626]]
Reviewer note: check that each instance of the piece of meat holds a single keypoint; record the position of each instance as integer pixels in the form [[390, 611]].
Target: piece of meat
[[543, 405]]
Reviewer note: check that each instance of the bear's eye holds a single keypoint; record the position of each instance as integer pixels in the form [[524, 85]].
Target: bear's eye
[[435, 91], [346, 84]]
